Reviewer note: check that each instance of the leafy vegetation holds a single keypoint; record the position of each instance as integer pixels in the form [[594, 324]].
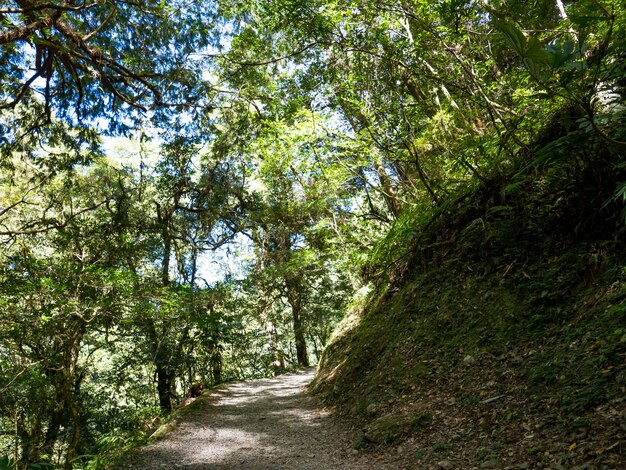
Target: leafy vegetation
[[192, 193]]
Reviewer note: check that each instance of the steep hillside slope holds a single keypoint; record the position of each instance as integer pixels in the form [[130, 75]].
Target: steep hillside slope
[[498, 338]]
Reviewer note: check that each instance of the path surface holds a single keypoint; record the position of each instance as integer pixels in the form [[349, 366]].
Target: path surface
[[261, 424]]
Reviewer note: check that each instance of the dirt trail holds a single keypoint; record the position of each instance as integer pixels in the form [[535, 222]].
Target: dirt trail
[[262, 424]]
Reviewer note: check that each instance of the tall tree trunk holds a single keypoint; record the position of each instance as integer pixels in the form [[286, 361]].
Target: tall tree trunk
[[71, 389], [393, 204], [66, 383], [165, 383], [278, 364], [165, 377], [261, 252], [58, 419], [294, 291], [167, 252], [216, 364]]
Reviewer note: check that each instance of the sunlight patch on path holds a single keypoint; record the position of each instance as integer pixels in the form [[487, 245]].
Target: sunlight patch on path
[[260, 424]]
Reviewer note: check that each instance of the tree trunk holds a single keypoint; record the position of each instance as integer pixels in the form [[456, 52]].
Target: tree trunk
[[58, 418], [28, 439], [263, 303], [393, 204], [294, 289], [278, 364], [165, 383], [71, 390], [165, 268], [66, 384], [165, 377], [216, 364]]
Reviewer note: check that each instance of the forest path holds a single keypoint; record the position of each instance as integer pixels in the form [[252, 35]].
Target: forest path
[[262, 424]]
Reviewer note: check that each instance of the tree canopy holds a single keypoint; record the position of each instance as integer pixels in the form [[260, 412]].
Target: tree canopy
[[88, 59]]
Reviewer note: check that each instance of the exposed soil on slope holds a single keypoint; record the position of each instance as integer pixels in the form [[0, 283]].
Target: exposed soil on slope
[[262, 424]]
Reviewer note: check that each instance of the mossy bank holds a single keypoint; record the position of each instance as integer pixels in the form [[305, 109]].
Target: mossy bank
[[498, 336]]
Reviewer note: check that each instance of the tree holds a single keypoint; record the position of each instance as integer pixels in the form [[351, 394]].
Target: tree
[[56, 293], [103, 58], [323, 132], [298, 191]]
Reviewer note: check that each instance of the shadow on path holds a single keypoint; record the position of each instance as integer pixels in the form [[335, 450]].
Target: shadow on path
[[261, 424]]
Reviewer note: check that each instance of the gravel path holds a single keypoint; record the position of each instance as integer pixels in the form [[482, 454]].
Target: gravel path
[[262, 424]]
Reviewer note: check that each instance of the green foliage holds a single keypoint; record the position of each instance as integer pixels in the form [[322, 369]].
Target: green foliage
[[331, 144], [6, 463], [619, 198], [62, 56], [108, 450]]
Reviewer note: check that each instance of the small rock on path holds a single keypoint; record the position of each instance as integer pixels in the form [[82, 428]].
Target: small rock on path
[[261, 424]]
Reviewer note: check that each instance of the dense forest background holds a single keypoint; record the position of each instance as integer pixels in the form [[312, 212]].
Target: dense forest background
[[197, 192]]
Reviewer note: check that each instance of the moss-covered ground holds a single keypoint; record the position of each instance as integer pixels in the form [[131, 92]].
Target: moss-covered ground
[[499, 340]]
